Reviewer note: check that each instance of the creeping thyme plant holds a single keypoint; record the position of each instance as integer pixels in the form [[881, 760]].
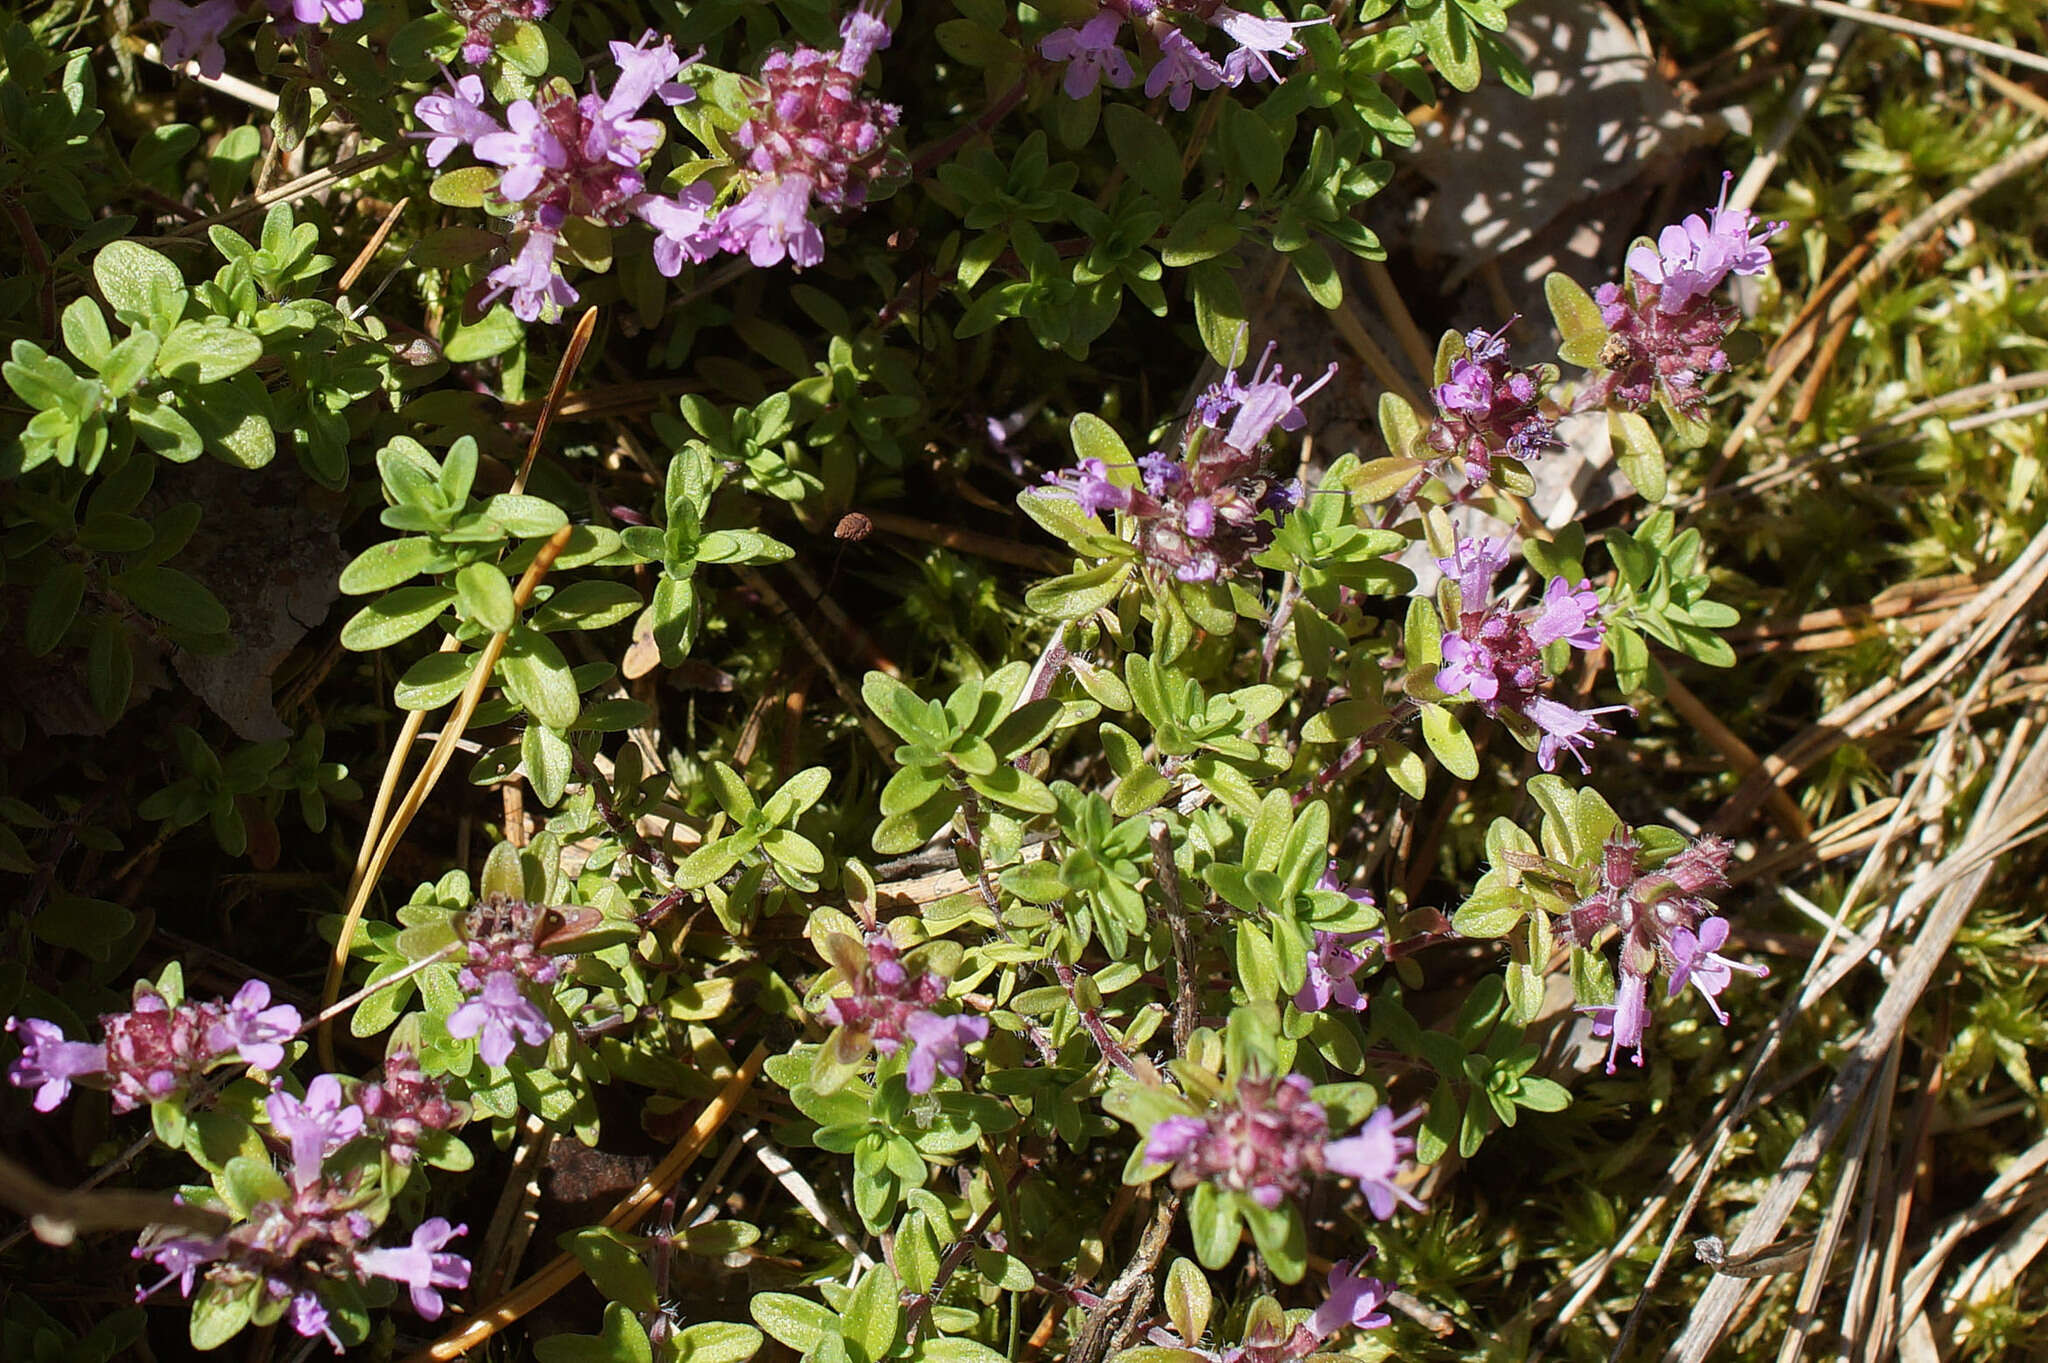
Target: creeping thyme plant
[[926, 718]]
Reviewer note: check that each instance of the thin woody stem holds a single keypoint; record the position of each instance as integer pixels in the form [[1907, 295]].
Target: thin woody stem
[[1187, 999]]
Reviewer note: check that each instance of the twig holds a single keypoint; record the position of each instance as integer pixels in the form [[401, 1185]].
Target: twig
[[295, 189], [1819, 72], [1187, 998], [58, 1215], [956, 1254], [377, 239], [969, 542]]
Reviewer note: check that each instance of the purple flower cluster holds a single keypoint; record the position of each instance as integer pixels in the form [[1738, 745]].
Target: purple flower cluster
[[1495, 655], [889, 1006], [315, 1235], [1093, 53], [498, 935], [1199, 516], [1487, 407], [1665, 330], [403, 1106], [563, 156], [1273, 1140], [192, 32], [1666, 921], [814, 141], [154, 1051], [295, 1246]]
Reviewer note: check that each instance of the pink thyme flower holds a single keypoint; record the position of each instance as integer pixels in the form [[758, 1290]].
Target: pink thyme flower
[[1258, 40], [1696, 960], [1355, 1300], [1487, 407], [888, 1005], [1268, 402], [1332, 970], [1091, 54], [813, 139], [291, 1248], [1569, 613], [1206, 512], [1271, 1140], [1624, 1021], [1375, 1156], [456, 119], [48, 1063], [939, 1043], [1692, 257], [1089, 483], [422, 1266], [1564, 729], [862, 34], [404, 1105], [1181, 70], [773, 223], [682, 227], [1666, 921], [529, 150], [315, 1126], [1665, 334], [293, 15], [534, 280], [1495, 655], [192, 32], [500, 1016]]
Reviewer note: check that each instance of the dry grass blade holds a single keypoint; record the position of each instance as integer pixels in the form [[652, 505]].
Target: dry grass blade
[[430, 774], [1795, 350], [1996, 1201], [309, 183], [370, 248], [1951, 888], [378, 839], [1963, 636], [1930, 33], [563, 1269]]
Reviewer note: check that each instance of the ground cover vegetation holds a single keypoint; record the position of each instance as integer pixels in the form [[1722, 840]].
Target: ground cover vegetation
[[704, 681]]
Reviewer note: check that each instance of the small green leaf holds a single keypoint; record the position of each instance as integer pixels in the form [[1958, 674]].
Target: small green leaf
[[382, 566], [394, 616], [616, 1268], [1440, 729], [536, 671], [174, 598], [140, 284], [1637, 452], [483, 595], [874, 1316], [1578, 320], [207, 352], [53, 607]]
